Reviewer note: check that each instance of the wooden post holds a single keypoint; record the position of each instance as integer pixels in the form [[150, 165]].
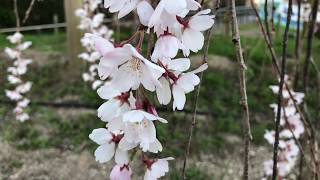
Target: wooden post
[[73, 34], [55, 21]]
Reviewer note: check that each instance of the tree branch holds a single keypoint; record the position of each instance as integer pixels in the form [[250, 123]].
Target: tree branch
[[306, 121], [266, 20], [312, 22], [27, 14], [280, 98], [297, 47], [197, 93], [243, 92]]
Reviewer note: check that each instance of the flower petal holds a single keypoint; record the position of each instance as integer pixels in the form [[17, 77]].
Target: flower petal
[[100, 136], [105, 152]]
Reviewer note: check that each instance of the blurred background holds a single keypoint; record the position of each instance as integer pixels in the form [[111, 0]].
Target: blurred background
[[54, 143]]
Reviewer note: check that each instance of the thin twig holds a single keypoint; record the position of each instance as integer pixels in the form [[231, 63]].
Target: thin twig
[[16, 13], [197, 93], [280, 98], [27, 14], [266, 19], [306, 122], [273, 8], [297, 47], [312, 23], [243, 92]]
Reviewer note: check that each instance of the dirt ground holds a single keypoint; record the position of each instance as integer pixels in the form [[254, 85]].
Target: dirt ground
[[55, 164]]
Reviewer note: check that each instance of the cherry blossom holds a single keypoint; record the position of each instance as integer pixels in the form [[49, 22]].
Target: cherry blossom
[[156, 168], [15, 77], [121, 172], [291, 126], [192, 36], [135, 69], [91, 22], [107, 148], [127, 78]]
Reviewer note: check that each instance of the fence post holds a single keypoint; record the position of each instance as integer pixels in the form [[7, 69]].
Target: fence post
[[55, 21], [73, 34]]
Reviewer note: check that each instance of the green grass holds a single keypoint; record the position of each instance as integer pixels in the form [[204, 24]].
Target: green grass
[[44, 42], [47, 129]]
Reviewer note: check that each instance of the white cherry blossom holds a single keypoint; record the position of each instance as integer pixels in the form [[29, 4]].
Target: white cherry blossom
[[121, 172], [192, 36], [107, 146], [157, 168], [134, 69]]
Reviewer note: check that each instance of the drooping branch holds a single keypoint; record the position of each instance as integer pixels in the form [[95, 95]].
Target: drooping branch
[[306, 122], [273, 8], [266, 19], [312, 23], [243, 92], [27, 14], [197, 93], [280, 97], [297, 47]]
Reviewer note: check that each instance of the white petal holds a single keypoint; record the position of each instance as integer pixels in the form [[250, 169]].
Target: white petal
[[201, 22], [148, 176], [159, 168], [115, 124], [193, 5], [105, 152], [108, 92], [180, 64], [164, 91], [100, 136], [156, 14], [128, 7], [126, 146], [145, 12], [102, 45], [116, 57], [176, 6], [179, 97], [107, 110], [201, 68], [125, 79], [155, 147], [121, 157], [193, 39]]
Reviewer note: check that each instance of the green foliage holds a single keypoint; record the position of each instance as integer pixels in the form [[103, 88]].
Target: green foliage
[[47, 129], [192, 173]]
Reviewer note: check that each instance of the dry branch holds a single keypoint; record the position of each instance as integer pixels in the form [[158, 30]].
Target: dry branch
[[280, 98], [243, 92], [297, 47], [27, 14], [266, 19], [197, 93], [306, 122], [312, 23]]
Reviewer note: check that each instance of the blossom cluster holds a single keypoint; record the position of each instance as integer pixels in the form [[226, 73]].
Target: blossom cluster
[[128, 76], [291, 126], [91, 21], [15, 73]]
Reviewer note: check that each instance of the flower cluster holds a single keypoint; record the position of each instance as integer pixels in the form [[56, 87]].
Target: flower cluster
[[130, 116], [16, 71], [291, 126], [91, 22]]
